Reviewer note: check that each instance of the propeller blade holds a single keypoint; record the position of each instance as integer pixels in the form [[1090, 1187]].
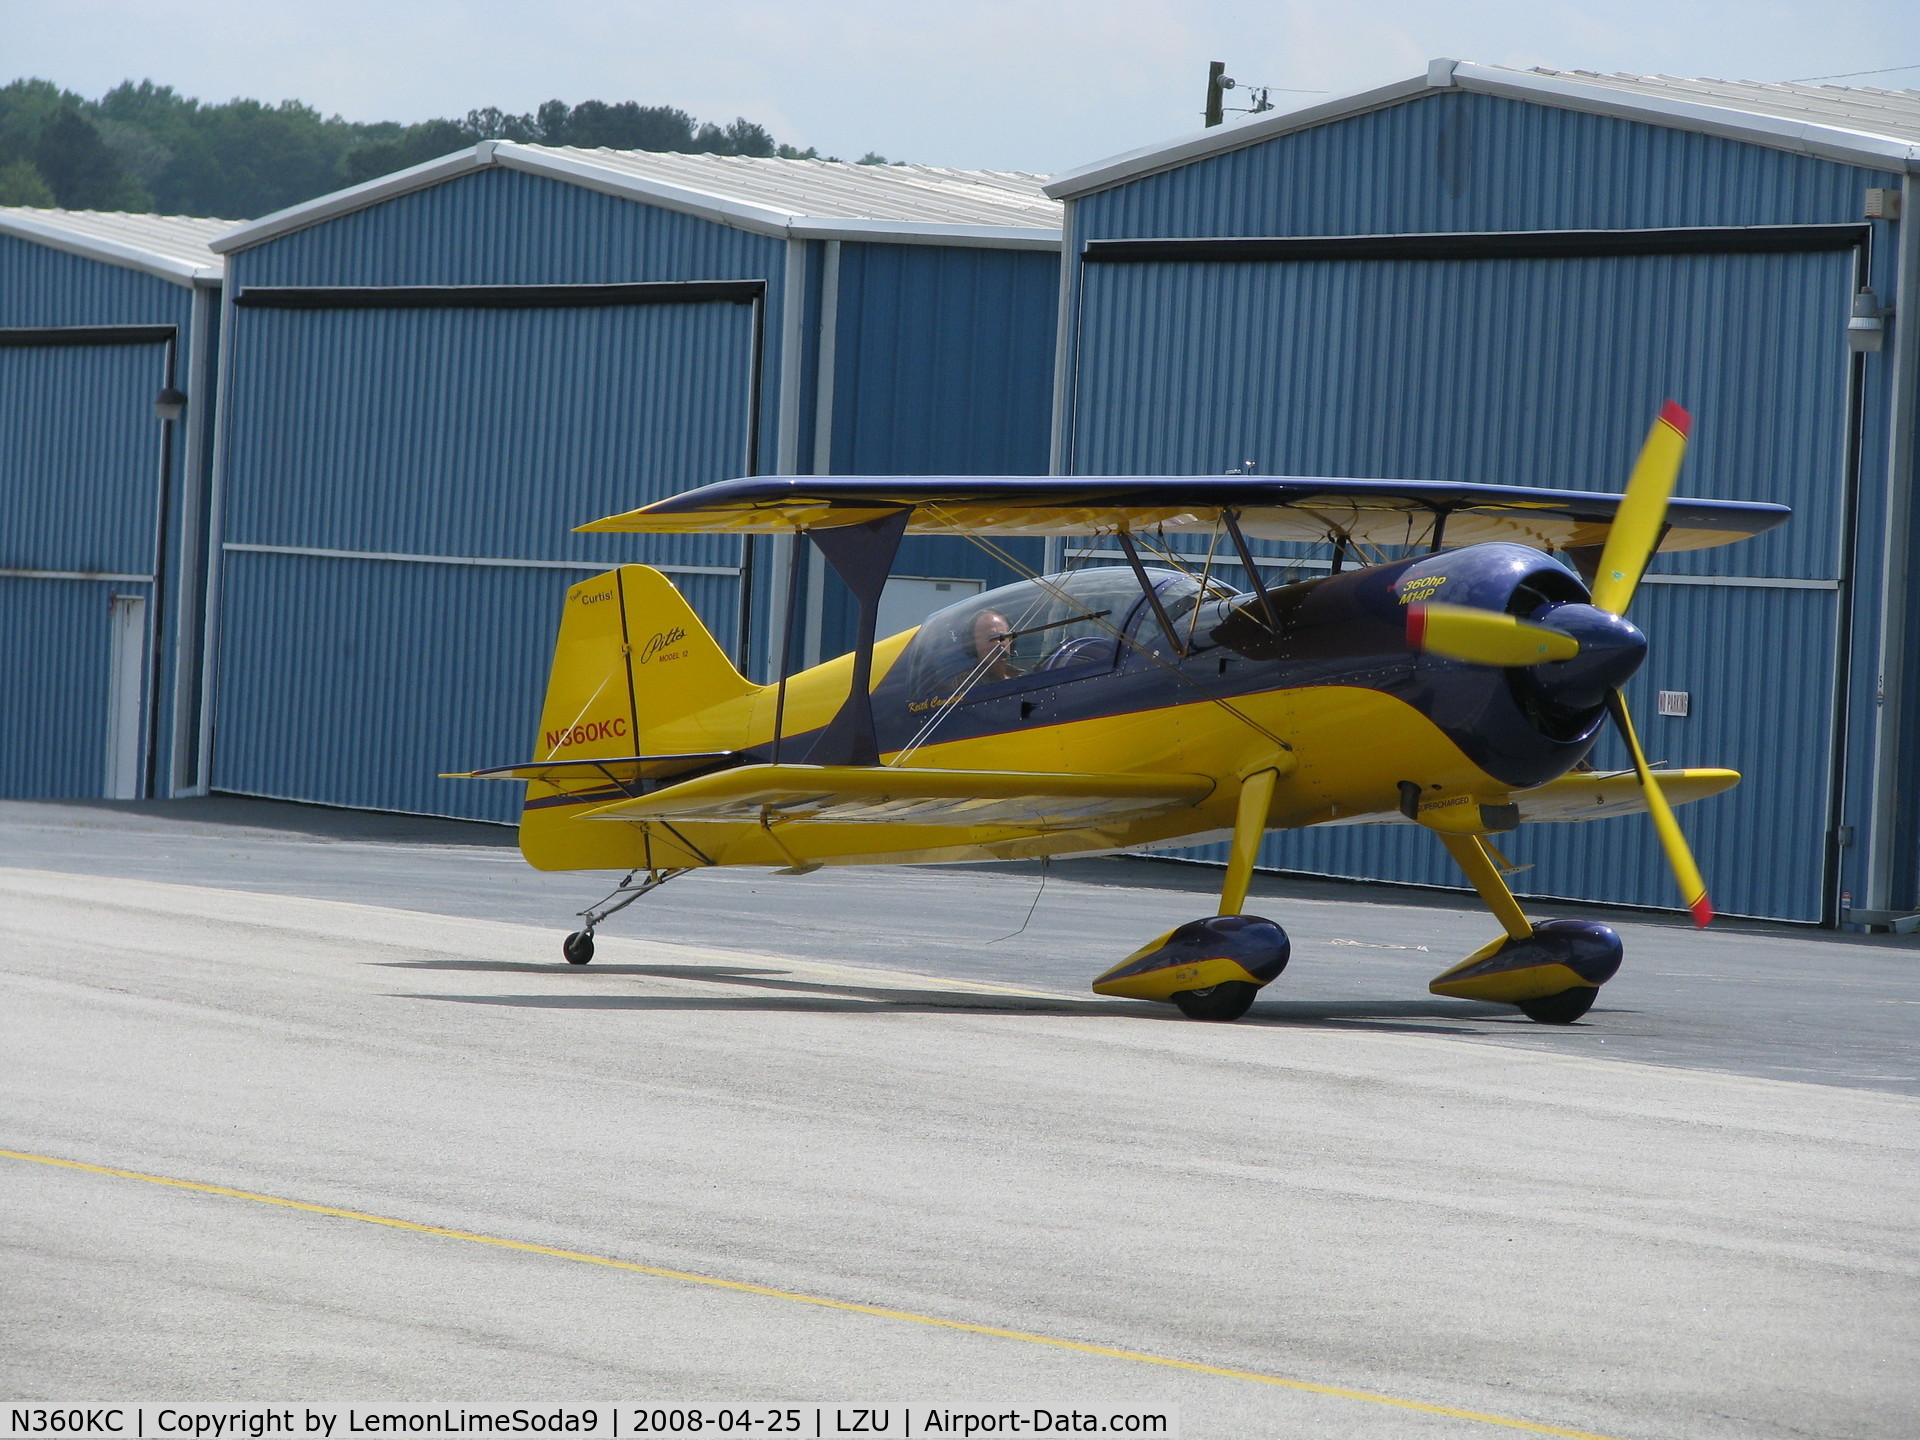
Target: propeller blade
[[1484, 637], [1643, 512], [1693, 889]]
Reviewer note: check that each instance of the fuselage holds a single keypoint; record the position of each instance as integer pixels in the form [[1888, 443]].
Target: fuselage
[[1326, 691]]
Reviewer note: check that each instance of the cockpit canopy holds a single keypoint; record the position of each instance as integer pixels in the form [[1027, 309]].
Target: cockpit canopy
[[1056, 628]]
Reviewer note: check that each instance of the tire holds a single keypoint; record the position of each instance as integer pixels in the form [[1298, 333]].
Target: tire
[[1562, 1009], [578, 947], [1228, 1000]]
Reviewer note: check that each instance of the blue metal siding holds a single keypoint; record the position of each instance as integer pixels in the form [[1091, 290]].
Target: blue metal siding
[[359, 682], [81, 463], [465, 433], [80, 474], [43, 286], [1454, 161], [484, 432], [1543, 372], [944, 360], [943, 366], [505, 227], [54, 654]]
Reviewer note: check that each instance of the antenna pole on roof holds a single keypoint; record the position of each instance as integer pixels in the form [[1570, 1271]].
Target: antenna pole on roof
[[1217, 86]]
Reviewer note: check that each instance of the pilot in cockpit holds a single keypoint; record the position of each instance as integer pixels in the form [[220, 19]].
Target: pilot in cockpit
[[993, 644]]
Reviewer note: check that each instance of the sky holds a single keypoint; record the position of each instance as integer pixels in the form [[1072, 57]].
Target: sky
[[1040, 85]]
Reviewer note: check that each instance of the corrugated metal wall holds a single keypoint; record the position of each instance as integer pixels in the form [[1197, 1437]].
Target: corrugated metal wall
[[370, 678], [462, 433], [476, 432], [943, 366], [43, 286], [472, 433], [1453, 161], [80, 473], [1533, 372], [53, 717]]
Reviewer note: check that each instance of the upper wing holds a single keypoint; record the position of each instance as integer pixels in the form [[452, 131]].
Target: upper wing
[[849, 794], [1284, 507]]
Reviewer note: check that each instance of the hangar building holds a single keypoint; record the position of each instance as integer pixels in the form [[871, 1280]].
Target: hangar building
[[1485, 274], [107, 345], [434, 376]]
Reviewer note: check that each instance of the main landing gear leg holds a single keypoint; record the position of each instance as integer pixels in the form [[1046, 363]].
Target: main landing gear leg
[[1213, 969], [578, 947], [1552, 970]]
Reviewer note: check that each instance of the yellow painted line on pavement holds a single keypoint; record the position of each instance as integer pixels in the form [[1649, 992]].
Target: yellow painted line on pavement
[[1109, 1352]]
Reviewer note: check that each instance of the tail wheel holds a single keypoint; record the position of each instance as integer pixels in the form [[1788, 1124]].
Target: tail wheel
[[1562, 1009], [1228, 1000], [578, 947]]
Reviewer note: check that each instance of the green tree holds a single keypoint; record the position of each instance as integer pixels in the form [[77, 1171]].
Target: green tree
[[84, 173], [145, 145], [21, 184], [44, 128]]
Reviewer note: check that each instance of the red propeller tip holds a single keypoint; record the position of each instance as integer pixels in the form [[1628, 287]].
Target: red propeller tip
[[1702, 912], [1416, 627], [1679, 419]]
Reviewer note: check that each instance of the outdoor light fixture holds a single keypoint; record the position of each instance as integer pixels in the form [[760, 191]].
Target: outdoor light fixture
[[1866, 328], [171, 404]]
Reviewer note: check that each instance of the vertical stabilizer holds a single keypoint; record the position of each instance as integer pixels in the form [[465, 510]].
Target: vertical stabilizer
[[635, 672]]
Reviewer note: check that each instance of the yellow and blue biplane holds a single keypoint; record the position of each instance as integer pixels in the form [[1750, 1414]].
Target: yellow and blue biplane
[[1457, 683]]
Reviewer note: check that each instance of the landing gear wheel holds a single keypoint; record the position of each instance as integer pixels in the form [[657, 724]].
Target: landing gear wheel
[[1562, 1009], [578, 947], [1228, 1000]]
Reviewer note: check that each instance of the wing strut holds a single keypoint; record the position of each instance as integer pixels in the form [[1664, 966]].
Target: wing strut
[[1231, 519], [1153, 595], [861, 555]]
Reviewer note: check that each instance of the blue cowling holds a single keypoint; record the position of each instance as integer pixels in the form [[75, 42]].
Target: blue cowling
[[1611, 650]]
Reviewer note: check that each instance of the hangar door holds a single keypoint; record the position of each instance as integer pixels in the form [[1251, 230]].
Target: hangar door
[[405, 470], [81, 471], [1426, 357]]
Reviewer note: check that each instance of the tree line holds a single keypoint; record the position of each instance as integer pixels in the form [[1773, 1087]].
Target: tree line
[[147, 148]]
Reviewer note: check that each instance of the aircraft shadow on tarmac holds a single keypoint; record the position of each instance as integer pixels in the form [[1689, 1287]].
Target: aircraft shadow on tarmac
[[823, 997]]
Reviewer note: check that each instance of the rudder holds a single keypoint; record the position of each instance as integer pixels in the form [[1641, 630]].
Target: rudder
[[635, 672]]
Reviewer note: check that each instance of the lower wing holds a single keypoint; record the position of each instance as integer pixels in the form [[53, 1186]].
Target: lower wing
[[880, 795]]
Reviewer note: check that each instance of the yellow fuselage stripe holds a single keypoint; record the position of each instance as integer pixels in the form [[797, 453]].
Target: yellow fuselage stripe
[[660, 1272]]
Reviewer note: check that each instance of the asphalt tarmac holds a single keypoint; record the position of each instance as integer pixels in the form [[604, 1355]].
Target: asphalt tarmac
[[1745, 998], [1692, 1215]]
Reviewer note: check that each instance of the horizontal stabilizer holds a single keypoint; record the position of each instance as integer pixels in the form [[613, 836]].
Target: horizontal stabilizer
[[621, 769], [864, 794]]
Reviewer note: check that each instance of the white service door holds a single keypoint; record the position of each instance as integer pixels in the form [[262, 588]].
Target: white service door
[[909, 599], [126, 684]]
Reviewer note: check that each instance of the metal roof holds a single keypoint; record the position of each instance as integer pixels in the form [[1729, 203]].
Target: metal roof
[[173, 247], [797, 199], [1858, 125]]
